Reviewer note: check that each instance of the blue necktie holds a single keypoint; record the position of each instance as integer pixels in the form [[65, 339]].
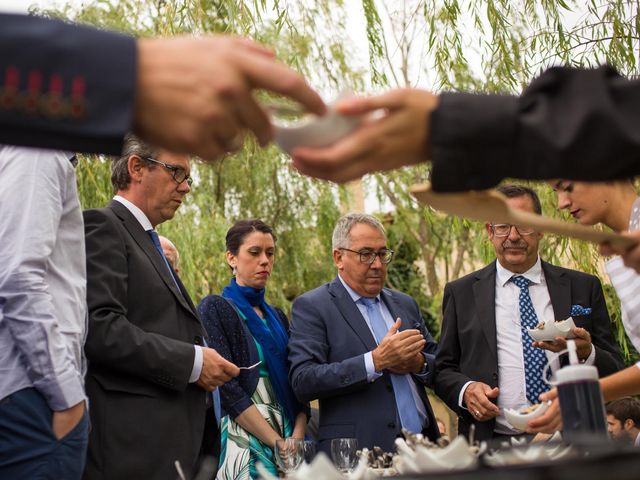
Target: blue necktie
[[155, 238], [407, 410], [534, 358], [578, 310]]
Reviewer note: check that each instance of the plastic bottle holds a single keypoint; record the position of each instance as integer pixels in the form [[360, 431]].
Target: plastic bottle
[[581, 402]]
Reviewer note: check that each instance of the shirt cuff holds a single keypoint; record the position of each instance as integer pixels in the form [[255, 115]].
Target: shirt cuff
[[370, 368], [591, 359], [64, 391], [461, 396], [197, 365]]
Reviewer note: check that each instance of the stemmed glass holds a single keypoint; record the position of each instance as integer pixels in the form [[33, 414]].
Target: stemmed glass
[[308, 450], [288, 453], [344, 452]]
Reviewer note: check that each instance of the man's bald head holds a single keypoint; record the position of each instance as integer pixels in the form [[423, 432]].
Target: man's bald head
[[171, 252]]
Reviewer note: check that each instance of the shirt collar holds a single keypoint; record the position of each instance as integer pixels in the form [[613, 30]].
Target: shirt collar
[[355, 296], [136, 212], [534, 274]]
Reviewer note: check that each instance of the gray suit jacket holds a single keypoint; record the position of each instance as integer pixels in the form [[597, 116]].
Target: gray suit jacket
[[468, 345], [328, 339], [140, 347]]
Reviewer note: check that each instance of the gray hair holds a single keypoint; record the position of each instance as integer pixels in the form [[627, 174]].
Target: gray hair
[[340, 238], [120, 178]]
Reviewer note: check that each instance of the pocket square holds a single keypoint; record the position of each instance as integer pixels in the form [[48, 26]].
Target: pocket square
[[577, 310]]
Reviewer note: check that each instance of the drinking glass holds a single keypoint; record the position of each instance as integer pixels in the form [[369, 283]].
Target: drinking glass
[[344, 453], [308, 450], [288, 453]]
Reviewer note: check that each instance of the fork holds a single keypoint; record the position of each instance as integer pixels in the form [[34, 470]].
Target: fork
[[251, 366]]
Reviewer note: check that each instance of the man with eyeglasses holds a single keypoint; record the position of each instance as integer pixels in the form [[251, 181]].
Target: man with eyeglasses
[[362, 349], [487, 360], [149, 368]]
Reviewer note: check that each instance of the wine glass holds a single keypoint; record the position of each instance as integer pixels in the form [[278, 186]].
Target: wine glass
[[344, 453], [288, 453], [308, 450]]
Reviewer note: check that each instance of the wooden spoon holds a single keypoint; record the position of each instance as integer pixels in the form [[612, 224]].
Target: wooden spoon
[[491, 206]]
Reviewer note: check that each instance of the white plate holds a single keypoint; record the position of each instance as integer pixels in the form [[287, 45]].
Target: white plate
[[317, 132], [519, 420]]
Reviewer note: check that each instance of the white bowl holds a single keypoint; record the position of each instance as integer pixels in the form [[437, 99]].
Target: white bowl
[[456, 455], [316, 132], [552, 330], [519, 420]]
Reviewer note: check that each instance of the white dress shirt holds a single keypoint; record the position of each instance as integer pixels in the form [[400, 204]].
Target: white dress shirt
[[372, 375], [146, 225], [43, 312]]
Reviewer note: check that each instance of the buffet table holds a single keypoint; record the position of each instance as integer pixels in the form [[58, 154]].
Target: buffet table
[[608, 461]]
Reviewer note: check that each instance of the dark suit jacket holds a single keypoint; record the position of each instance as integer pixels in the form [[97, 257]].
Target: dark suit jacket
[[140, 348], [231, 338], [468, 345], [329, 337], [97, 74], [582, 124]]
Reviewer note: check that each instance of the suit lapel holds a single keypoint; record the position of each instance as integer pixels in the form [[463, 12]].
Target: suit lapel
[[143, 240], [484, 293], [559, 287], [351, 314]]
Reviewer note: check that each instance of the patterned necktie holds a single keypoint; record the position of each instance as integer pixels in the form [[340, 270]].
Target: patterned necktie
[[534, 358], [155, 238], [405, 403]]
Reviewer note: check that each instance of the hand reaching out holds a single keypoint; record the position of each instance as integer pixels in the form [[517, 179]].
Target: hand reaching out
[[194, 95], [398, 137]]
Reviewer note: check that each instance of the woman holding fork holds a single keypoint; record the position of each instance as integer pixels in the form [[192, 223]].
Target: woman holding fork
[[258, 407]]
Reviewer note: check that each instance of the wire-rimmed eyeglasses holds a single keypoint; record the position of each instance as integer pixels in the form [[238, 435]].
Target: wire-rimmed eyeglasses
[[504, 229], [369, 256]]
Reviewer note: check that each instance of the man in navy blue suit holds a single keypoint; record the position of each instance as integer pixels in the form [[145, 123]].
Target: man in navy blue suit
[[362, 349]]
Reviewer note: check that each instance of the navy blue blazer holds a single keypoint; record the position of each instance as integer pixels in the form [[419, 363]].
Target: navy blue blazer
[[84, 99], [231, 338], [328, 339]]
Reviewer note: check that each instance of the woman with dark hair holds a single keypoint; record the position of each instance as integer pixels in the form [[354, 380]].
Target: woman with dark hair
[[615, 204], [258, 406]]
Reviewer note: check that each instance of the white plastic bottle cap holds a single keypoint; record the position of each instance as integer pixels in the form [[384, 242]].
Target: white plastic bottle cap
[[576, 373]]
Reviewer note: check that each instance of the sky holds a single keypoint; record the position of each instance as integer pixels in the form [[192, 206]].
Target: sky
[[21, 6]]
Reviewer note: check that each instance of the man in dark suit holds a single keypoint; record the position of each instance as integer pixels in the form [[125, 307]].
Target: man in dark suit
[[361, 349], [487, 361], [149, 370]]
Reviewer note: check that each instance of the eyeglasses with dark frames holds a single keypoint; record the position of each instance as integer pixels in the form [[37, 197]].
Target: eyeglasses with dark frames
[[504, 229], [369, 256], [179, 174]]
